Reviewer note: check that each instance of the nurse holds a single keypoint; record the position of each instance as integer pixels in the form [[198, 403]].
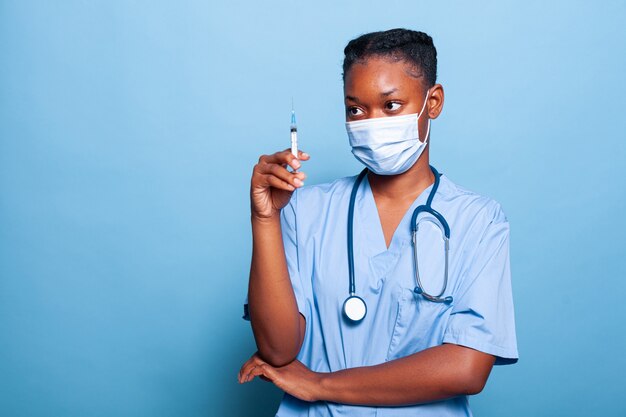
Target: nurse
[[411, 354]]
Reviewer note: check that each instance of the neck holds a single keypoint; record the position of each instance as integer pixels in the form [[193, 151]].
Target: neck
[[406, 186]]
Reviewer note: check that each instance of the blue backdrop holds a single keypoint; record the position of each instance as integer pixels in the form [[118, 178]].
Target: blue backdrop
[[128, 132]]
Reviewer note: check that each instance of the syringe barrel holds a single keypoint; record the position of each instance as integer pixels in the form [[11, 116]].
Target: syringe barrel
[[294, 142]]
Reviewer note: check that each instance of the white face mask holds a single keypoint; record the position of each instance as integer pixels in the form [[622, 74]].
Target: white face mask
[[388, 145]]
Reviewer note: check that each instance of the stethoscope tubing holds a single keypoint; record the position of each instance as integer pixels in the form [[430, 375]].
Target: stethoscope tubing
[[355, 188], [426, 208]]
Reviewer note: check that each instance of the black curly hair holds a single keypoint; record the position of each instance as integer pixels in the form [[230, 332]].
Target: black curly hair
[[416, 48]]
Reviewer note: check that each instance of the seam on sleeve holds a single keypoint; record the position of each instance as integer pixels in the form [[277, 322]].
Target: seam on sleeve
[[504, 355]]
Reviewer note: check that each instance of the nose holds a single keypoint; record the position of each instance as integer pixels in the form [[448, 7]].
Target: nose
[[375, 113]]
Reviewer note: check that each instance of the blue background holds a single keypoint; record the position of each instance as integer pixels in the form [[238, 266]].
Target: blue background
[[128, 132]]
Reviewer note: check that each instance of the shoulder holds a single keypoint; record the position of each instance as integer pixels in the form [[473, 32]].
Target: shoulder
[[311, 206], [473, 206], [323, 195]]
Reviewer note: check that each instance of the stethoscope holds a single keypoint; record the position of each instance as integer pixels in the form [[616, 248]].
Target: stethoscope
[[354, 307]]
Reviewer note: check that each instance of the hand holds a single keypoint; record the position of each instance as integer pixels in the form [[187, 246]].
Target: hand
[[272, 185], [294, 378]]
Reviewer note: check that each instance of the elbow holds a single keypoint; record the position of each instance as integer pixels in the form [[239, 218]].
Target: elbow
[[276, 358], [278, 353], [473, 379], [281, 361], [278, 348], [474, 385], [473, 374]]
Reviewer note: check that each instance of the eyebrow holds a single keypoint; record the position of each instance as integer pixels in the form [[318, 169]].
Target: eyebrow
[[388, 93], [383, 94]]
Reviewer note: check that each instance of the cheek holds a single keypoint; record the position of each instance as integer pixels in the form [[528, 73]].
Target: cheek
[[422, 127]]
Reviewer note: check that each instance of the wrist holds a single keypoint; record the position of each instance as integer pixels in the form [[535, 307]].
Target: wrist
[[324, 392], [271, 220]]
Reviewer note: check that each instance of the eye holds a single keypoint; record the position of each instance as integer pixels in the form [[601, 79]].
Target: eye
[[392, 105], [354, 111]]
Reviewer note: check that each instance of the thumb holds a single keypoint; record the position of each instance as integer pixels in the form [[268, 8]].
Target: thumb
[[269, 372]]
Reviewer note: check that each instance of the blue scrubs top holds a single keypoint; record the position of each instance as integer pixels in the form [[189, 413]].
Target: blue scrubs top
[[398, 321]]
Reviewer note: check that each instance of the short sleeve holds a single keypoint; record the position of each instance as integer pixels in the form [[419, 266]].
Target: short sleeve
[[290, 242], [483, 317]]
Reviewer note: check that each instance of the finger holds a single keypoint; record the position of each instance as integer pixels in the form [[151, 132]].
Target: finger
[[294, 178], [245, 369], [245, 375], [303, 156], [278, 183], [269, 372], [295, 163], [255, 360], [256, 371], [282, 158]]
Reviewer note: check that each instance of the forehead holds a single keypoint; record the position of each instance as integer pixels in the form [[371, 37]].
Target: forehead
[[381, 74]]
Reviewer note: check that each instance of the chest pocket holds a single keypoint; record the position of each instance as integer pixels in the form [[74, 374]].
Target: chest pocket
[[419, 324]]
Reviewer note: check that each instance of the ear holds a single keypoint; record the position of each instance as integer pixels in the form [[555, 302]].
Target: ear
[[435, 101]]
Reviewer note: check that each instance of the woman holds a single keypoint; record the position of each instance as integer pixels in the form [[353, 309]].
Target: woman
[[405, 349]]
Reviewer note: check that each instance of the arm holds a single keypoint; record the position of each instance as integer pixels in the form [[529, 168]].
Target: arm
[[276, 323], [433, 374]]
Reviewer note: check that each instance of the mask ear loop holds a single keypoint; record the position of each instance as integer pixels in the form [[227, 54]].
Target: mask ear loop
[[425, 141]]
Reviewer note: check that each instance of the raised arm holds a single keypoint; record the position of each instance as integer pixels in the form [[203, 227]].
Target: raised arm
[[277, 325]]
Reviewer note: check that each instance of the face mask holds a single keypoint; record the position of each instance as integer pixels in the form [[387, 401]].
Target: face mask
[[388, 145]]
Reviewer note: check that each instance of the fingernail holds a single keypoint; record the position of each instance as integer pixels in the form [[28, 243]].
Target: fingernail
[[305, 154], [295, 164], [298, 182]]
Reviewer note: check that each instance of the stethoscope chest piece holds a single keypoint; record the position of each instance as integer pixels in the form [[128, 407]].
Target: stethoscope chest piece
[[354, 308]]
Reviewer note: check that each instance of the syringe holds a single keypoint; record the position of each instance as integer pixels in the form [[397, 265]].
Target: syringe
[[294, 133]]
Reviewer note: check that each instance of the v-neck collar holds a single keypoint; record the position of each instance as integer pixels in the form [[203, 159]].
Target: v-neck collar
[[371, 226]]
